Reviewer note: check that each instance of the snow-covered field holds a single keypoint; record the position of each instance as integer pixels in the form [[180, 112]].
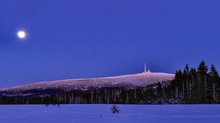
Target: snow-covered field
[[102, 114]]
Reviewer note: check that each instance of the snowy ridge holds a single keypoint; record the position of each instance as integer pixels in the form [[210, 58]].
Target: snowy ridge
[[140, 79]]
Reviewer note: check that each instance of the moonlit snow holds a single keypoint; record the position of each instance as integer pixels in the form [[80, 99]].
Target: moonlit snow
[[140, 79], [102, 114]]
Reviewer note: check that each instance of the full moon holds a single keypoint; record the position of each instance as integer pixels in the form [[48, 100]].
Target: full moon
[[21, 34]]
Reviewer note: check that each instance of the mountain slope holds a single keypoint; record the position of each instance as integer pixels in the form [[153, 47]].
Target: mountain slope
[[133, 80]]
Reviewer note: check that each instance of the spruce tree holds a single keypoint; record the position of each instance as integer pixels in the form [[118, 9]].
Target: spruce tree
[[202, 82], [214, 81], [185, 84], [176, 85], [194, 85], [115, 109]]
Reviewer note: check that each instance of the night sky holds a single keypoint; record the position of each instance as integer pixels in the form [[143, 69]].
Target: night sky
[[93, 38]]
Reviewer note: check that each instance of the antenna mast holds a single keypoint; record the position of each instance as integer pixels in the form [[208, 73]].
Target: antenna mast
[[145, 68]]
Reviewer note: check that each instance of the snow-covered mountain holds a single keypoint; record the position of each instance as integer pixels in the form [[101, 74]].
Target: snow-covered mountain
[[132, 80]]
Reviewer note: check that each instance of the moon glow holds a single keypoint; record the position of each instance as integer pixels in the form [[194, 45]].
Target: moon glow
[[21, 34]]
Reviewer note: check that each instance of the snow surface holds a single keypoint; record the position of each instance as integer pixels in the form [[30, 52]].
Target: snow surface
[[102, 114], [140, 79]]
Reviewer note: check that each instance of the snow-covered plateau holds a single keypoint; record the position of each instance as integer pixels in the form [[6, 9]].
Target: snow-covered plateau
[[140, 79], [102, 114]]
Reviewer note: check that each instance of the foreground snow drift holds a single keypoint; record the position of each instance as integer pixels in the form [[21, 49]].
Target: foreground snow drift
[[102, 114]]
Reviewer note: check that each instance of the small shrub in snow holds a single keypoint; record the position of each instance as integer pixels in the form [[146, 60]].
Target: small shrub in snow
[[115, 109]]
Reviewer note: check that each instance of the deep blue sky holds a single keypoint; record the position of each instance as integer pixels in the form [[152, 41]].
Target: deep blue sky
[[92, 38]]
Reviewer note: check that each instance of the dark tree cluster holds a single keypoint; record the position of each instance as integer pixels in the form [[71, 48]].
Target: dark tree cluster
[[196, 85]]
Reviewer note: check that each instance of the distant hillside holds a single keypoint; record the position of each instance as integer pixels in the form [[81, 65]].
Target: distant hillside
[[127, 81], [105, 90]]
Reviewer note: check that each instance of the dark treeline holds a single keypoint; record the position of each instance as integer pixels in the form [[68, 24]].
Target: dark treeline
[[190, 86], [196, 85], [151, 94]]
